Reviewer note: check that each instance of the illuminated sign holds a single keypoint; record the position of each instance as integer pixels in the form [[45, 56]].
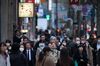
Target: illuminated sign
[[26, 10]]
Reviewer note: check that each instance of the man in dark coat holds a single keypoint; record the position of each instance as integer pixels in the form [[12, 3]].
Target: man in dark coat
[[30, 54]]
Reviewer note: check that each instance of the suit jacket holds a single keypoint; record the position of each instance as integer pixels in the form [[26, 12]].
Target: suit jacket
[[33, 59]]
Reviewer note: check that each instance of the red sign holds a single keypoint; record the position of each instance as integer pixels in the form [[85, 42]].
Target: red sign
[[29, 1], [72, 2]]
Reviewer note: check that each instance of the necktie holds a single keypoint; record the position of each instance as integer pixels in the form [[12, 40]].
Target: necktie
[[29, 55]]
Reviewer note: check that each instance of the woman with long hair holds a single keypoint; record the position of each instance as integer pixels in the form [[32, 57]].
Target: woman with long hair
[[81, 56], [65, 59], [16, 57], [4, 57], [45, 59]]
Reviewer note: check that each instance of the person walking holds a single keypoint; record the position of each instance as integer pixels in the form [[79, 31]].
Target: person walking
[[89, 50], [45, 59], [30, 53], [4, 57], [65, 59], [16, 57], [81, 56], [40, 45]]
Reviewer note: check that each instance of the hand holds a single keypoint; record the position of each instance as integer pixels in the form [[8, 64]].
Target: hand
[[88, 64]]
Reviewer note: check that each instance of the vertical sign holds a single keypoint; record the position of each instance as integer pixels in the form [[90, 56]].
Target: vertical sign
[[26, 10]]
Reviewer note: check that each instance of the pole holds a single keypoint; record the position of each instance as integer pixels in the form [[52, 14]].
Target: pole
[[56, 14], [98, 18], [92, 19]]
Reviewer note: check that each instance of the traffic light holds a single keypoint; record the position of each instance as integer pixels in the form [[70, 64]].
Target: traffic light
[[48, 17]]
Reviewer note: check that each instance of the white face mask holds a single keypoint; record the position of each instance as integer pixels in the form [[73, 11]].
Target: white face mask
[[41, 45], [21, 49], [78, 42], [8, 44], [83, 42]]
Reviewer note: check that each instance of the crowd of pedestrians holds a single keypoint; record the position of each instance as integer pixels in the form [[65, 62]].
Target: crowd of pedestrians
[[50, 50]]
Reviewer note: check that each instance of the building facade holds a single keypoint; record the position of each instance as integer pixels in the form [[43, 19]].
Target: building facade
[[7, 19]]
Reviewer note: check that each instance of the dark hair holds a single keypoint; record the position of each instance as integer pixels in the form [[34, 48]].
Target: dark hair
[[43, 53], [15, 48], [64, 57], [17, 31], [64, 52], [46, 49], [84, 48], [8, 41], [2, 44]]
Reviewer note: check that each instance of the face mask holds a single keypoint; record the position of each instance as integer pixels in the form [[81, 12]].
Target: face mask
[[21, 49], [41, 45], [8, 44], [64, 43], [83, 42], [78, 42]]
